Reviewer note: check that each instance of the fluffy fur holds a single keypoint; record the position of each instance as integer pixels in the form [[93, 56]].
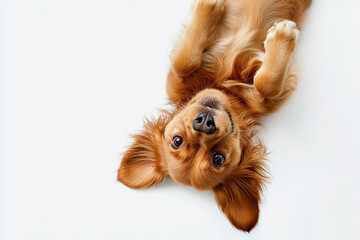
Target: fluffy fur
[[233, 59]]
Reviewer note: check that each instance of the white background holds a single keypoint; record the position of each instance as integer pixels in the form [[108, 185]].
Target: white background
[[77, 77]]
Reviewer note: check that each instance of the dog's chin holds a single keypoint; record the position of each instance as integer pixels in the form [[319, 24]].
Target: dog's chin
[[212, 102]]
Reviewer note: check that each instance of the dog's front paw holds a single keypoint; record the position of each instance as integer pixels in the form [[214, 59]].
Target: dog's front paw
[[214, 7], [284, 33]]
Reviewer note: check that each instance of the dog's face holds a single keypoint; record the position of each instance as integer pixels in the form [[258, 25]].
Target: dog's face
[[201, 142], [206, 144]]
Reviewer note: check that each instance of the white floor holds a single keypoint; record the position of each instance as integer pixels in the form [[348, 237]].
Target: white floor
[[77, 77]]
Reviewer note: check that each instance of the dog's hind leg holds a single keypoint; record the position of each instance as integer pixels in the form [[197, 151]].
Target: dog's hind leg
[[187, 57]]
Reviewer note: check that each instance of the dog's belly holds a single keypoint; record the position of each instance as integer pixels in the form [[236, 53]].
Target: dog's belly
[[235, 47]]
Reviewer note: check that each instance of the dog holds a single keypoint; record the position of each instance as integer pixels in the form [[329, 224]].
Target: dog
[[233, 63]]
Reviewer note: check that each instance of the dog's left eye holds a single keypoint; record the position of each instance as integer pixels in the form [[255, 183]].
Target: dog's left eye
[[177, 141]]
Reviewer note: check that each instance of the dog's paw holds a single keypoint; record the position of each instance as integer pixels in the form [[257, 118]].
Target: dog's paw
[[284, 33], [214, 7]]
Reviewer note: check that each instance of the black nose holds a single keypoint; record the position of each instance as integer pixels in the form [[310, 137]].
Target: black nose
[[204, 123]]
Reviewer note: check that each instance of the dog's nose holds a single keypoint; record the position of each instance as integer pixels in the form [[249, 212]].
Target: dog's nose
[[204, 123]]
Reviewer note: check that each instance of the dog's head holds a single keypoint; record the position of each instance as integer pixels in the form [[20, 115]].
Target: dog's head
[[201, 143], [207, 143]]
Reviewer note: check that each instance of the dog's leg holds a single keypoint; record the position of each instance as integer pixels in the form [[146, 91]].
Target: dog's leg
[[270, 80], [187, 58]]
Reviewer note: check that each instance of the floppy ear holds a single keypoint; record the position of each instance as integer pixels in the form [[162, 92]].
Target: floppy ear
[[239, 196], [142, 164]]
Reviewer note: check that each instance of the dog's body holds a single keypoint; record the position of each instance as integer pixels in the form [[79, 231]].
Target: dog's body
[[231, 65]]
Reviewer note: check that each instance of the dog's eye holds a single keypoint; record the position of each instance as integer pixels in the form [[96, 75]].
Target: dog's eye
[[218, 159], [177, 141]]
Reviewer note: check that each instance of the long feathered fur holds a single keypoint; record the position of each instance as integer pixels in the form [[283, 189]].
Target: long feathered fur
[[243, 49]]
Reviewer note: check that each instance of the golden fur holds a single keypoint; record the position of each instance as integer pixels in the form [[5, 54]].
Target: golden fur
[[233, 59]]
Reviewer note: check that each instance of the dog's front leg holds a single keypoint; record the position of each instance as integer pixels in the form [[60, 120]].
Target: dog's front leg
[[187, 57], [279, 45]]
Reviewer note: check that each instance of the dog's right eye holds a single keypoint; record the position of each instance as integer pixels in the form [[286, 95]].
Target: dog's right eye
[[177, 141], [218, 159]]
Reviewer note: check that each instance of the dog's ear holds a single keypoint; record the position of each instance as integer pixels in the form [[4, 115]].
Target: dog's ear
[[239, 196], [142, 163]]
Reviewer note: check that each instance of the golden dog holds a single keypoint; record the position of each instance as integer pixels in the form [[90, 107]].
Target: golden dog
[[232, 64]]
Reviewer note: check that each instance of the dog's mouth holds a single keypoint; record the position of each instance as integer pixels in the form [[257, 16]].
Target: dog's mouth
[[231, 121], [211, 102]]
